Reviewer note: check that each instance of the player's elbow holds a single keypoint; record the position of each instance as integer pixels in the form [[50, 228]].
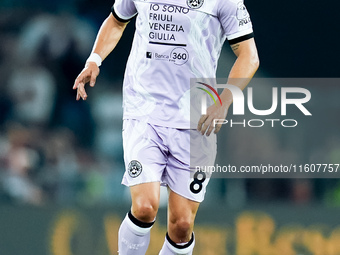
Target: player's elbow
[[250, 60], [254, 61]]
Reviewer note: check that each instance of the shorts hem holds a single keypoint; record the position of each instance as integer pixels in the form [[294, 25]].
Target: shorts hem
[[187, 197], [134, 184]]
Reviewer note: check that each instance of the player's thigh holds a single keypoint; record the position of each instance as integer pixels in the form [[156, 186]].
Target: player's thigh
[[181, 217], [145, 200]]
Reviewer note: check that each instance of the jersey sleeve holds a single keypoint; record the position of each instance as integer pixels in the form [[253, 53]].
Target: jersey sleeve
[[235, 21], [124, 10]]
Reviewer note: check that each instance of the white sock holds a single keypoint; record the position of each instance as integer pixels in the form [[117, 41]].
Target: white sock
[[171, 248], [133, 236]]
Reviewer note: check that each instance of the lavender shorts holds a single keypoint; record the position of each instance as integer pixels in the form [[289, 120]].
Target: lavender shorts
[[167, 155]]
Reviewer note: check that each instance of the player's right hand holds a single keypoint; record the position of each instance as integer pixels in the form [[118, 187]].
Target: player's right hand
[[88, 75]]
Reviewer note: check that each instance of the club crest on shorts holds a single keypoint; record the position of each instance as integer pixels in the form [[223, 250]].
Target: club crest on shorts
[[134, 168], [195, 4]]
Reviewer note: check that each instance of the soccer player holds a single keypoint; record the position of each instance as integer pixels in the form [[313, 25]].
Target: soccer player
[[174, 41]]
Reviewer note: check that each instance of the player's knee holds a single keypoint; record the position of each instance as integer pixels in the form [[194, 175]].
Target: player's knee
[[145, 211], [182, 227]]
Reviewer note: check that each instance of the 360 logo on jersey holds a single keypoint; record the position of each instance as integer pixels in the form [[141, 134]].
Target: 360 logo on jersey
[[135, 168], [195, 4]]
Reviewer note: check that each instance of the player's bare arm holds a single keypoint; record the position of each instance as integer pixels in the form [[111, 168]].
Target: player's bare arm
[[243, 70], [107, 39]]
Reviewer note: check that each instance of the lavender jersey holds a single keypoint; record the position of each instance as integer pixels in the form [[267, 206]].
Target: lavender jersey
[[175, 40]]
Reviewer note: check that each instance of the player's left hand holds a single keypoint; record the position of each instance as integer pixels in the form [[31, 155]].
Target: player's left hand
[[206, 124]]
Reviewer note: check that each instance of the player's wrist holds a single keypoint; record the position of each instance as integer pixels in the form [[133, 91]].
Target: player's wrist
[[226, 98], [94, 57]]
